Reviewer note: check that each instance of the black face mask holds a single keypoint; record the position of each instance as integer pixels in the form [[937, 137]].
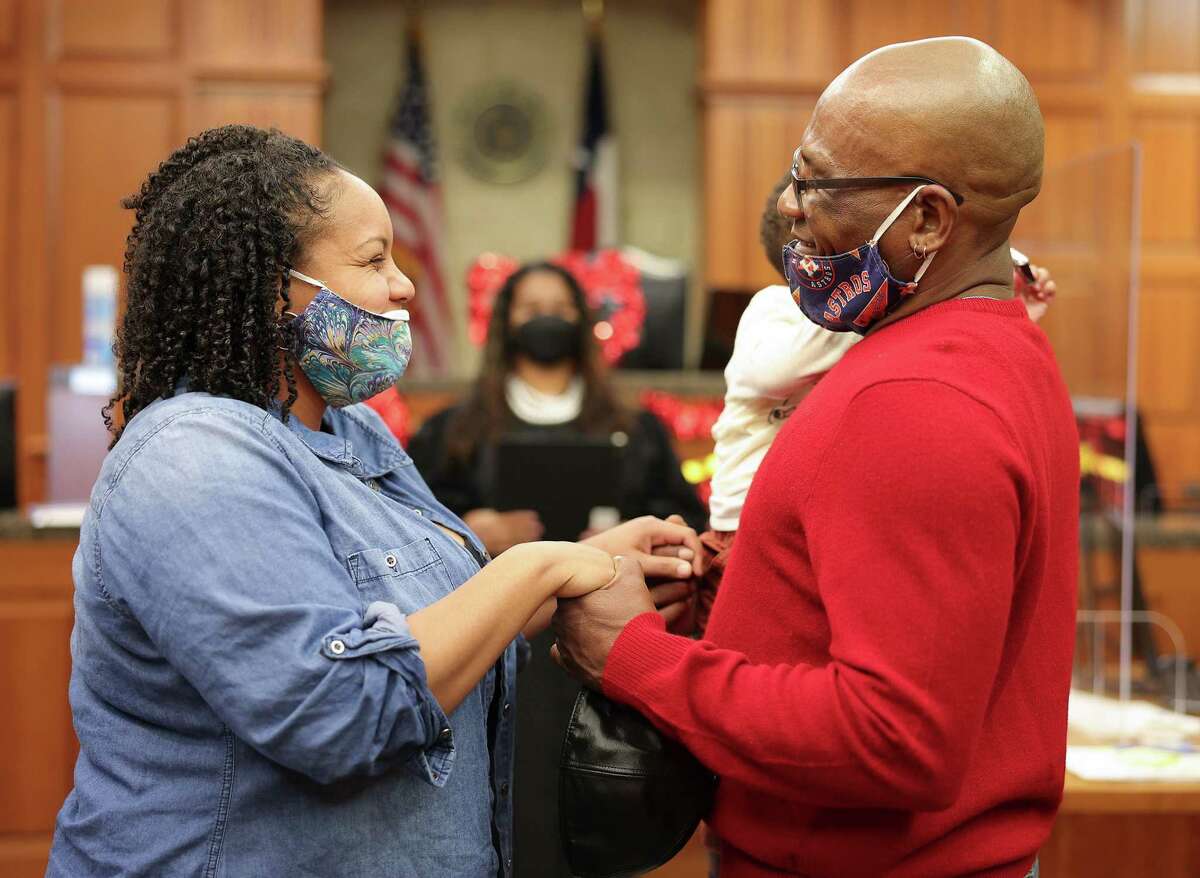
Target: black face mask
[[546, 339]]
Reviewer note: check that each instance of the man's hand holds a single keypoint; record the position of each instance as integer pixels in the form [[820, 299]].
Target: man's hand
[[500, 531], [586, 628], [664, 549]]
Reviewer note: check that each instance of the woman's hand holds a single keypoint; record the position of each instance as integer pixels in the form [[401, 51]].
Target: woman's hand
[[664, 549], [573, 569]]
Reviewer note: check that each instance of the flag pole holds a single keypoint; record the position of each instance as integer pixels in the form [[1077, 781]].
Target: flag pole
[[593, 14], [412, 22]]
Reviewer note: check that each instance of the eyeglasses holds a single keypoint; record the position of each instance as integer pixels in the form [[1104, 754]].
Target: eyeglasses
[[800, 184]]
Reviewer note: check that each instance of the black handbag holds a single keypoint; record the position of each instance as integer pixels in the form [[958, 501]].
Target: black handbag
[[629, 798]]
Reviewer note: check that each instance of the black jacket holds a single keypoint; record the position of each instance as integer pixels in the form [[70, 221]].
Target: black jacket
[[651, 482]]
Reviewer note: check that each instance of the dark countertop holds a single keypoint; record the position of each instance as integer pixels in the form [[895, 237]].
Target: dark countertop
[[1171, 530], [14, 525]]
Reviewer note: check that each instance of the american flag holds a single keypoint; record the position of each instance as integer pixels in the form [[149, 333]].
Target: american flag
[[411, 192]]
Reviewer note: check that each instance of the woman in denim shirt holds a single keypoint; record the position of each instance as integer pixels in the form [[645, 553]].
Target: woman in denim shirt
[[289, 658]]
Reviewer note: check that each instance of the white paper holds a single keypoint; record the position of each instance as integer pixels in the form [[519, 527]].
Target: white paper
[[1133, 764]]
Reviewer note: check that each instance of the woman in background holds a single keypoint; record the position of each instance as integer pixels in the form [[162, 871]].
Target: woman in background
[[542, 375]]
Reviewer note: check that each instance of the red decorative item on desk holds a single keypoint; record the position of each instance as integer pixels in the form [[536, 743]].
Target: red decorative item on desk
[[686, 420]]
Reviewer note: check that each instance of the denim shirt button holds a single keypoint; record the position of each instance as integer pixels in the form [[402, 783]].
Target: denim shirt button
[[506, 709], [418, 512], [445, 736], [390, 560], [504, 789], [337, 647]]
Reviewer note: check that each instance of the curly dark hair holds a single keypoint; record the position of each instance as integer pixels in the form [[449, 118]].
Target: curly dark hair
[[217, 226], [774, 229], [485, 416]]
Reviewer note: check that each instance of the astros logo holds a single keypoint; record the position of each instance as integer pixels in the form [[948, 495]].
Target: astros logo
[[816, 275]]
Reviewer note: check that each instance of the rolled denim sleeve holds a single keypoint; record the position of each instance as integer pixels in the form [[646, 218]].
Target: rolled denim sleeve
[[213, 542]]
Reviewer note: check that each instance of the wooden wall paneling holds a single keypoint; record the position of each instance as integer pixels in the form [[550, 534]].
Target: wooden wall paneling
[[9, 211], [1170, 181], [1068, 208], [871, 25], [8, 27], [725, 257], [776, 44], [106, 145], [294, 109], [1172, 326], [1072, 131], [1054, 40], [112, 29], [266, 34], [1165, 36], [8, 225]]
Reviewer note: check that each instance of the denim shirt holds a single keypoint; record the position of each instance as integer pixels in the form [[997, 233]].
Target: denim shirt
[[248, 697]]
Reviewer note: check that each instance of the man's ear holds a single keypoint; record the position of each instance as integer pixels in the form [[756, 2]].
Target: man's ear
[[933, 220]]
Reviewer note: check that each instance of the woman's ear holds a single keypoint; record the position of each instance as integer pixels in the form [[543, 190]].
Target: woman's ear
[[933, 220]]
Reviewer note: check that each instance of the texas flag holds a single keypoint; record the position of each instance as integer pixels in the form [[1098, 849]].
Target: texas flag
[[595, 220]]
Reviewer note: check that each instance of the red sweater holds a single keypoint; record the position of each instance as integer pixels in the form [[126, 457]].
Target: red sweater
[[883, 687]]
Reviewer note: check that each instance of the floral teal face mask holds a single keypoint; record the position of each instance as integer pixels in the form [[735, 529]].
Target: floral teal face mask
[[348, 353]]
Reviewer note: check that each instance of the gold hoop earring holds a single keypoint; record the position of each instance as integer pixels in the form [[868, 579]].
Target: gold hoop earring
[[283, 324]]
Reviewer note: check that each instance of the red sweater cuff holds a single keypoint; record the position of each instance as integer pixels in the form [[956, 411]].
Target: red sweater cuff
[[642, 652]]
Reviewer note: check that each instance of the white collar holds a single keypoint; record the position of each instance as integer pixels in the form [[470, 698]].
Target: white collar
[[535, 407]]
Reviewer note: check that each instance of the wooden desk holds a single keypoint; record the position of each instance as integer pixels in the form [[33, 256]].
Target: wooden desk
[[37, 742], [1125, 830]]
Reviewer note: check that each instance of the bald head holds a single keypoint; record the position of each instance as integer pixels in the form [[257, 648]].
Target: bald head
[[951, 108]]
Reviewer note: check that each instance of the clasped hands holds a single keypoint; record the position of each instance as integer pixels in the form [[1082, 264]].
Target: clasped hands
[[586, 626]]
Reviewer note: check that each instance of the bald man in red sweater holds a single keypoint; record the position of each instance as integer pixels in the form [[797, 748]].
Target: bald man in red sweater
[[882, 687]]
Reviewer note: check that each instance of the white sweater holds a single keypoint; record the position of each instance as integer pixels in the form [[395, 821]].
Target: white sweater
[[778, 355]]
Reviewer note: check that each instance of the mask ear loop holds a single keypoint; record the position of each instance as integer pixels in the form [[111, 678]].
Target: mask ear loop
[[292, 316], [887, 224], [307, 279]]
